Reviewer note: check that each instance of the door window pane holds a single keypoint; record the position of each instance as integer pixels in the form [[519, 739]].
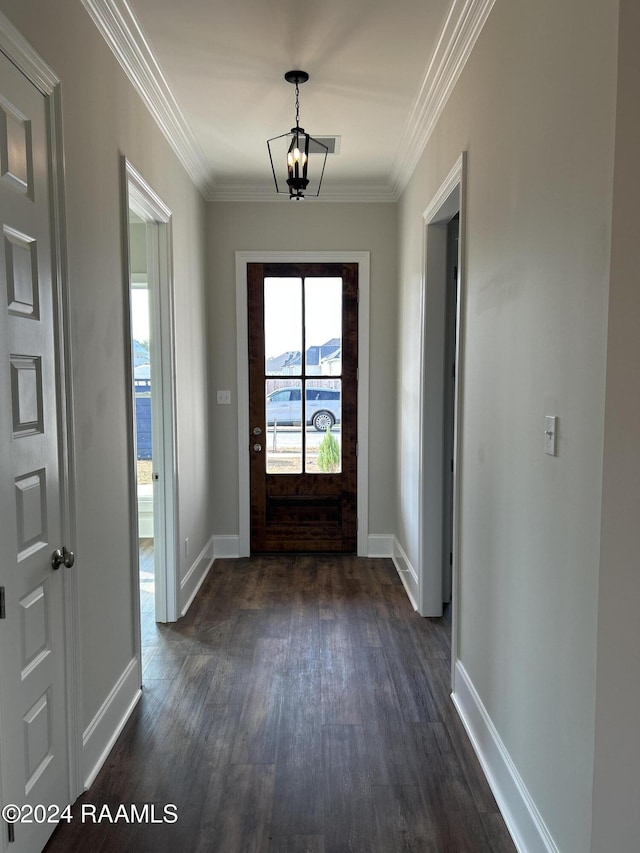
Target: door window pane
[[284, 420], [301, 356], [323, 326], [283, 326], [324, 421]]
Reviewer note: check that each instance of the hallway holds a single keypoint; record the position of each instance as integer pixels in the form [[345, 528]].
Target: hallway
[[301, 705]]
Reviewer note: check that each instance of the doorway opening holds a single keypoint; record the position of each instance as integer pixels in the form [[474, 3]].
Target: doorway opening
[[153, 453], [141, 354], [449, 401], [441, 385]]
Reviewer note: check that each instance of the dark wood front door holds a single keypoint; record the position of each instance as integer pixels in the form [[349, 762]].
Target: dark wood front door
[[303, 347]]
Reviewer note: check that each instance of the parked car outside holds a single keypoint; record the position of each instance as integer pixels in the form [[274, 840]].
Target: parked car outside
[[322, 409]]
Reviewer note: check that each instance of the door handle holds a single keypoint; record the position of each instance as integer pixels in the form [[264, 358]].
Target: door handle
[[257, 448], [62, 558]]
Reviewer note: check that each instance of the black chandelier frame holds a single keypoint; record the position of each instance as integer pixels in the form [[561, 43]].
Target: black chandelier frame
[[298, 147]]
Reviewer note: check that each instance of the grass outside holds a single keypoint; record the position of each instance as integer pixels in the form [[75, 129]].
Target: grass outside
[[285, 460], [288, 460]]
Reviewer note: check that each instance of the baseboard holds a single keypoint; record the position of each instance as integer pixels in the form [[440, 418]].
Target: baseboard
[[380, 545], [523, 820], [226, 547], [408, 574], [193, 580], [103, 731]]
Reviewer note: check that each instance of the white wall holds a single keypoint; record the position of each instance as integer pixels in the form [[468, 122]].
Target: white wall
[[534, 108], [310, 226], [617, 750], [103, 119]]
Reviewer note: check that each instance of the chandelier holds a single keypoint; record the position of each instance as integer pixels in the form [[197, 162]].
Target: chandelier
[[292, 154]]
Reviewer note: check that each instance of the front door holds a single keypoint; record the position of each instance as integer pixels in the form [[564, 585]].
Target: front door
[[33, 735], [303, 322]]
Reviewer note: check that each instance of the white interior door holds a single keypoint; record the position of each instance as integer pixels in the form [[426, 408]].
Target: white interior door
[[33, 720]]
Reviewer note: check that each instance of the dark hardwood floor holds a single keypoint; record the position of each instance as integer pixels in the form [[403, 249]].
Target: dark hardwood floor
[[301, 706]]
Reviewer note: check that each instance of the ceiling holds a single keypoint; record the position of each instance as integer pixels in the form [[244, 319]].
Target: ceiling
[[212, 73]]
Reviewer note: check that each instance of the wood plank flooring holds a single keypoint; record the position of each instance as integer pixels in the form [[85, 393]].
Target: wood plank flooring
[[301, 706]]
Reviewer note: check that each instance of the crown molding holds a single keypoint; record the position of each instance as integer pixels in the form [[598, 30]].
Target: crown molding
[[346, 193], [461, 29], [118, 26], [121, 31]]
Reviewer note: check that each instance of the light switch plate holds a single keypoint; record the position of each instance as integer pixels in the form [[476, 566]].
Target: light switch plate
[[224, 398], [550, 435]]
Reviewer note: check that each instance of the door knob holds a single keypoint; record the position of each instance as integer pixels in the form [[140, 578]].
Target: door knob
[[62, 558], [257, 448]]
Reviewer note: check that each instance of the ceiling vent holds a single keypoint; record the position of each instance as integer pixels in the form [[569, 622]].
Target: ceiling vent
[[332, 143]]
